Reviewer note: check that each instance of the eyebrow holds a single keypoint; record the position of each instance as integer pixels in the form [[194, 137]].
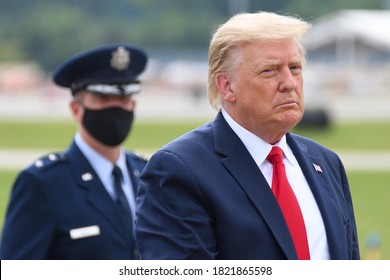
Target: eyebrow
[[276, 62]]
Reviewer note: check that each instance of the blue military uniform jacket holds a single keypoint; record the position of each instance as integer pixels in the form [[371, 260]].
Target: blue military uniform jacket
[[59, 209]]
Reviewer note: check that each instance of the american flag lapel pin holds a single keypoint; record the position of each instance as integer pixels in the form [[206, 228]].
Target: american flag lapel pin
[[317, 168]]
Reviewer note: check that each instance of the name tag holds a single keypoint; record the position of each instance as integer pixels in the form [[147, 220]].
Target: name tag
[[78, 233]]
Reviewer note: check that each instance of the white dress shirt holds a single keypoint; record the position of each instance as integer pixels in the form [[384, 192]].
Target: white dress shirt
[[103, 167], [259, 150]]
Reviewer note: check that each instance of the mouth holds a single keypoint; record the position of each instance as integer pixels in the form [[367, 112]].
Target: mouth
[[288, 103]]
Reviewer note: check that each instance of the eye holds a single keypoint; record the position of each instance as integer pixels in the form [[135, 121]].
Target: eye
[[296, 69], [268, 72]]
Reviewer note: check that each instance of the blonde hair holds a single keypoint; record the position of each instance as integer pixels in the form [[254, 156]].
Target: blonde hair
[[247, 27]]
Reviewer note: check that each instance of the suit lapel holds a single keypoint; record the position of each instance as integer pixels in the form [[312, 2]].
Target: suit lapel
[[96, 194], [321, 187], [251, 180]]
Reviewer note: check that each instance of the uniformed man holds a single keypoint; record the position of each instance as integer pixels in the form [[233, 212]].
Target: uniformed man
[[79, 204]]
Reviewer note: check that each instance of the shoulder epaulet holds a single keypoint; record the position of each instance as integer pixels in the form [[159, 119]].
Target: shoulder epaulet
[[48, 160]]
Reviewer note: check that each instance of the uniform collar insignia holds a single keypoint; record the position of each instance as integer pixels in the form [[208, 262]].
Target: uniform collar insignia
[[120, 59], [87, 177]]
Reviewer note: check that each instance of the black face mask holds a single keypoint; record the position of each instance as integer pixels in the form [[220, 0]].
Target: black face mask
[[110, 126]]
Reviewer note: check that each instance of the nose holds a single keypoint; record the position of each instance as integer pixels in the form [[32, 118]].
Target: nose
[[287, 81]]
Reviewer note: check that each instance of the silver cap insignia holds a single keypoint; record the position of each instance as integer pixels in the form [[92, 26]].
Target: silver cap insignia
[[120, 59]]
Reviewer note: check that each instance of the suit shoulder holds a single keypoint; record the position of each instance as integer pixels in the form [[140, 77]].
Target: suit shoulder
[[191, 140]]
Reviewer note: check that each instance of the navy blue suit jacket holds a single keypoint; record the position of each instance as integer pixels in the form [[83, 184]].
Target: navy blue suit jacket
[[60, 193], [203, 197]]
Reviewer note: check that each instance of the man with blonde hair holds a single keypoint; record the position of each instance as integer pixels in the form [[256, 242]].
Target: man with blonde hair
[[243, 186]]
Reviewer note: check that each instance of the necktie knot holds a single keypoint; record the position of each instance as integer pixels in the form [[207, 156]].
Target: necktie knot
[[276, 155], [117, 173]]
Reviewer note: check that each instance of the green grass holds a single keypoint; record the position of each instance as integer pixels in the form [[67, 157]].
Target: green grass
[[370, 189], [152, 135], [6, 179], [370, 136], [370, 194], [35, 135], [57, 135]]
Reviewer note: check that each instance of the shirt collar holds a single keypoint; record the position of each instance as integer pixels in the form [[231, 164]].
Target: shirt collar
[[102, 166], [257, 147], [288, 154]]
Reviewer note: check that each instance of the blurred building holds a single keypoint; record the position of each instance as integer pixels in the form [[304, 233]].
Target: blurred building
[[348, 55], [20, 77], [350, 51], [350, 37]]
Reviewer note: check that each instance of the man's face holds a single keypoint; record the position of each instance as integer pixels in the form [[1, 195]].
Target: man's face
[[103, 120], [267, 87]]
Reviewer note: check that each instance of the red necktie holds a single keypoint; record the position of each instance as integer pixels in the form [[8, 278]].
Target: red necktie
[[288, 204]]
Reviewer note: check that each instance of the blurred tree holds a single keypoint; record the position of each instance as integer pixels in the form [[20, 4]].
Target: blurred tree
[[48, 31], [309, 9]]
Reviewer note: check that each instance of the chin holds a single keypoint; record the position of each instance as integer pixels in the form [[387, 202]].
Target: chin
[[291, 121], [293, 116]]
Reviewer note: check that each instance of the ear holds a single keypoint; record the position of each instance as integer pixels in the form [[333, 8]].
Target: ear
[[225, 87], [75, 109], [133, 103]]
